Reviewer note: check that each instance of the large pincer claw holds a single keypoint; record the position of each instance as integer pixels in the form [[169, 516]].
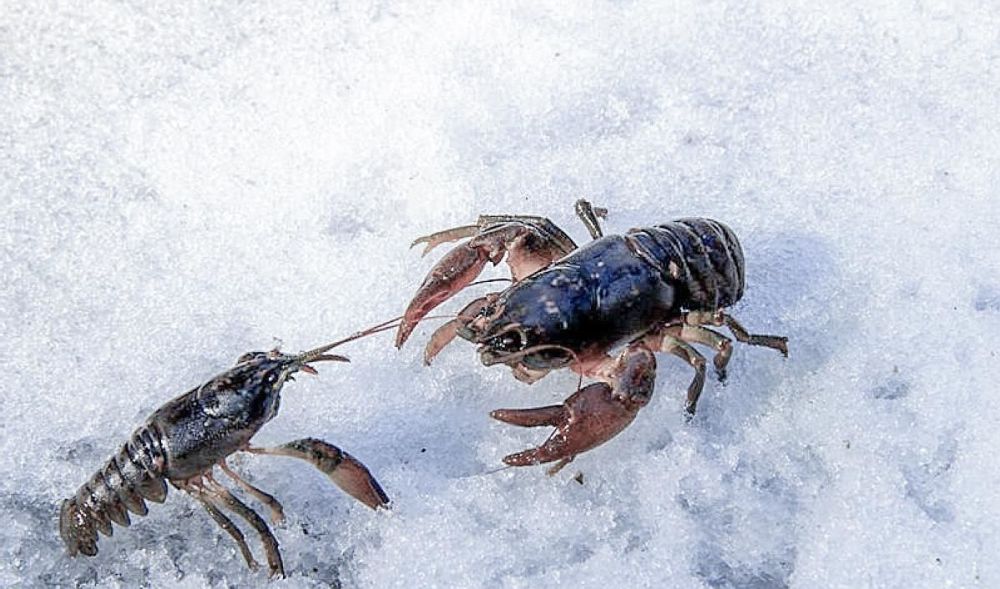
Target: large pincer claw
[[454, 272], [591, 416], [588, 418], [344, 470], [532, 243]]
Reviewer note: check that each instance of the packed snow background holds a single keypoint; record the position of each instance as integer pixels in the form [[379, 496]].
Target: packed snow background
[[184, 183]]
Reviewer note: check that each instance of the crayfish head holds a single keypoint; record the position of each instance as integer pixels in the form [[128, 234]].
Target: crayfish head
[[271, 367], [543, 322], [258, 378], [507, 335], [277, 368]]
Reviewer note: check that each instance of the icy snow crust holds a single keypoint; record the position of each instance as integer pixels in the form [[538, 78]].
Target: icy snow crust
[[183, 184]]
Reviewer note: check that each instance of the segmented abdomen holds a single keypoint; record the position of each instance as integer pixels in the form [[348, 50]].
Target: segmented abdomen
[[127, 478], [700, 257]]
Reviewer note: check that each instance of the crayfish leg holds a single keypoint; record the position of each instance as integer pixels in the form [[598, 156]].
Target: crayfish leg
[[589, 215], [454, 234], [720, 317], [227, 524], [686, 352], [677, 337], [722, 345], [277, 511], [220, 495], [775, 342]]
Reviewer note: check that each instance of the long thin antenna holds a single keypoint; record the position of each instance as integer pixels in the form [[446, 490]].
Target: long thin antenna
[[492, 471], [393, 323], [384, 326]]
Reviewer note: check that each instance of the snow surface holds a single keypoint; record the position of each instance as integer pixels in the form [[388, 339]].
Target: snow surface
[[181, 183]]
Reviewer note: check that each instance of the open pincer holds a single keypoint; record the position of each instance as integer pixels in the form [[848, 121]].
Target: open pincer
[[601, 310], [185, 439]]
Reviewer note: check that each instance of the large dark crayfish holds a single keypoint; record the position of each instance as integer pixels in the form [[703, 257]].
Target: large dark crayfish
[[652, 289], [187, 437]]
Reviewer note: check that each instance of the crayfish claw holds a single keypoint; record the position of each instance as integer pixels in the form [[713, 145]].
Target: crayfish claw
[[552, 415], [588, 418], [354, 479], [435, 239], [346, 471], [532, 243], [530, 457], [443, 335], [453, 273]]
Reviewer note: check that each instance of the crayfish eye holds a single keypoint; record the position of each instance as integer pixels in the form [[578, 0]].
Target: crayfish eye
[[510, 342]]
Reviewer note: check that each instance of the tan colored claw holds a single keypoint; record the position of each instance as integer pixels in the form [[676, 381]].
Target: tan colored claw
[[344, 470]]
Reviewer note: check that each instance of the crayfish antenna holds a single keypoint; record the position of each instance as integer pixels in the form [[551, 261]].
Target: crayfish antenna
[[494, 470], [329, 358], [318, 354]]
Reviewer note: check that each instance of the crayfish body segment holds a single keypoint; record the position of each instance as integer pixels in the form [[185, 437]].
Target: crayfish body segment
[[650, 290], [181, 443]]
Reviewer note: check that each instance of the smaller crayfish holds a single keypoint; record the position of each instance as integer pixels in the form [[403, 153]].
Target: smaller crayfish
[[185, 439]]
